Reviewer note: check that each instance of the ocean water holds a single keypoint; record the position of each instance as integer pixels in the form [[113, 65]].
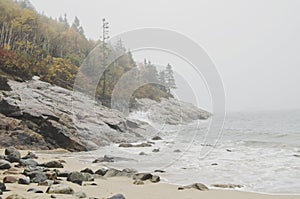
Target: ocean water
[[258, 150]]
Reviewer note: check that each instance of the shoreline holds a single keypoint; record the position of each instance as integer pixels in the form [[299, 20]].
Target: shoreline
[[107, 187]]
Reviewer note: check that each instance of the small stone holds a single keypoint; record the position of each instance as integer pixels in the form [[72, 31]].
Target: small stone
[[159, 171], [30, 155], [60, 189], [46, 183], [214, 164], [117, 196], [80, 194], [78, 176], [101, 172], [52, 196], [155, 150], [2, 186], [138, 182], [53, 164], [87, 170], [142, 153], [177, 151], [156, 138], [5, 165], [142, 176], [10, 179], [228, 186], [155, 179], [25, 181], [35, 190]]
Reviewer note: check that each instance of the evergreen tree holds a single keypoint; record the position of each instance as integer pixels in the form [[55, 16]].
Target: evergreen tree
[[169, 77]]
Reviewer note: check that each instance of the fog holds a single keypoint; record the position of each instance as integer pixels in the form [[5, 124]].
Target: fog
[[255, 44]]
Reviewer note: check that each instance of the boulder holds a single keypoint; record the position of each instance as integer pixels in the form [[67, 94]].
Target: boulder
[[37, 176], [2, 186], [24, 180], [87, 170], [155, 150], [30, 155], [46, 183], [53, 164], [59, 189], [9, 179], [78, 176], [12, 154], [34, 190], [101, 172], [5, 165], [142, 176], [27, 162]]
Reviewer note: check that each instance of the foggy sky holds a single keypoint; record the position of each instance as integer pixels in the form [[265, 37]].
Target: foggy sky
[[255, 44]]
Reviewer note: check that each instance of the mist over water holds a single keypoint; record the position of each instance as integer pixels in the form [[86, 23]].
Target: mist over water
[[258, 150]]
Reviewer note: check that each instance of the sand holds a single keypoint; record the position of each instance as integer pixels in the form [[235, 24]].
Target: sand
[[107, 187]]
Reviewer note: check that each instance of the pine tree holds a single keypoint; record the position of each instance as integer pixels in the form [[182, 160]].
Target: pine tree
[[169, 77]]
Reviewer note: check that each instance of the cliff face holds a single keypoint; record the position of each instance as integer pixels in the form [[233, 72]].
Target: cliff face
[[38, 115]]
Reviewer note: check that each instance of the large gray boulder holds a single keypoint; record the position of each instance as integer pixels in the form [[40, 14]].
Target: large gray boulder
[[5, 165]]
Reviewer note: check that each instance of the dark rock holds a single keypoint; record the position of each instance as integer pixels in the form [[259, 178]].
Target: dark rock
[[9, 179], [79, 182], [159, 171], [12, 154], [228, 150], [63, 174], [228, 186], [214, 164], [101, 172], [60, 189], [107, 158], [155, 179], [156, 138], [2, 186], [155, 150], [198, 186], [30, 155], [35, 190], [87, 170], [142, 176], [80, 194], [115, 172], [177, 151], [52, 196], [127, 145], [3, 84], [53, 164], [37, 176], [27, 162], [5, 165], [117, 196], [78, 176], [25, 181], [142, 153]]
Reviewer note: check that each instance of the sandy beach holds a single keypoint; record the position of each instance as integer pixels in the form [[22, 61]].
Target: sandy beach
[[107, 187]]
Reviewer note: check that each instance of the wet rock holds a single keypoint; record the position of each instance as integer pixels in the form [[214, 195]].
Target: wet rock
[[9, 179], [5, 165], [101, 172], [117, 196], [126, 145], [228, 186], [156, 138], [12, 154], [3, 84], [155, 179], [115, 172], [142, 176], [35, 190], [214, 164], [228, 150], [142, 153], [24, 180], [80, 194], [78, 176], [53, 164], [87, 170], [198, 186], [177, 151], [60, 189], [155, 150]]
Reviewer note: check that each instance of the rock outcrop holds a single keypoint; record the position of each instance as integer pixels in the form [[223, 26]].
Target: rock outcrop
[[170, 111], [38, 115]]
